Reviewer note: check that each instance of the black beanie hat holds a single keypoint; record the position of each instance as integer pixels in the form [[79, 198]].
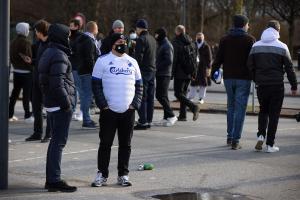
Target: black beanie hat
[[161, 32], [116, 36], [142, 23], [239, 21]]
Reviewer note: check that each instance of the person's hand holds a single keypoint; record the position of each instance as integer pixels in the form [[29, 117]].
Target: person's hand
[[294, 92], [208, 72], [131, 107], [25, 58]]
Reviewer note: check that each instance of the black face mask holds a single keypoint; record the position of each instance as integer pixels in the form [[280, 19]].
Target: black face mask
[[199, 40], [120, 48], [73, 32]]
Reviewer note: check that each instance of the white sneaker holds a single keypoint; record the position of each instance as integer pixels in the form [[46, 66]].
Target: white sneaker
[[260, 142], [13, 119], [272, 149], [78, 116], [201, 101], [29, 120], [99, 180], [172, 121], [124, 181]]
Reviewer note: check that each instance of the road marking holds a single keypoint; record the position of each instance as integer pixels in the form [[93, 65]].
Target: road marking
[[286, 129], [187, 137], [67, 153]]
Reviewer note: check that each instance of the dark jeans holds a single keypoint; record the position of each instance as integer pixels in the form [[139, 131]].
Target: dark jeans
[[21, 81], [37, 109], [270, 100], [180, 89], [162, 87], [110, 122], [59, 123], [147, 106]]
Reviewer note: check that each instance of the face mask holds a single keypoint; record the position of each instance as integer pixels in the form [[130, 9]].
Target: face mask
[[120, 48], [199, 40], [73, 32], [132, 36]]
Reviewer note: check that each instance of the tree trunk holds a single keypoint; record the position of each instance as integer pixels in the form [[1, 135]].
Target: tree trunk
[[291, 36]]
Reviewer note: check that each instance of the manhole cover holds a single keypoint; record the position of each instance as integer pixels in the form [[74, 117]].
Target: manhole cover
[[200, 196]]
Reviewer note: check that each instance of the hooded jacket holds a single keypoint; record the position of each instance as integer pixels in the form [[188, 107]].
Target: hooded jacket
[[164, 58], [178, 43], [269, 59], [55, 70]]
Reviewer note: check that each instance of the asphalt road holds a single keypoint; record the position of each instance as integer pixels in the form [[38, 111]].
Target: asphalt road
[[188, 157]]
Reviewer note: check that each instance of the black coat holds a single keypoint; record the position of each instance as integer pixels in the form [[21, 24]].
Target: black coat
[[55, 77], [205, 61], [87, 53], [145, 52], [178, 43], [74, 43], [164, 58]]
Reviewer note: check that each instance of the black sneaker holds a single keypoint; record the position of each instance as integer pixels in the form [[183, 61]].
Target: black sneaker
[[46, 185], [141, 126], [196, 113], [60, 186], [229, 141], [182, 119], [45, 139], [235, 146], [89, 125], [33, 137]]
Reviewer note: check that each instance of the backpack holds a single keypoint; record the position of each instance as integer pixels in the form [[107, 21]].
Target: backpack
[[189, 59]]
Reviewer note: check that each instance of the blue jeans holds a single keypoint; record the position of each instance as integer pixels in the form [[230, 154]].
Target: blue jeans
[[85, 96], [77, 85], [237, 100], [59, 122], [147, 106]]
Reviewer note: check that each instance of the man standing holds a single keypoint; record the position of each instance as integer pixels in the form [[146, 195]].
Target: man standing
[[118, 88], [204, 60], [117, 27], [145, 53], [182, 77], [164, 61], [88, 52], [75, 60], [233, 53], [268, 61], [41, 31], [57, 84]]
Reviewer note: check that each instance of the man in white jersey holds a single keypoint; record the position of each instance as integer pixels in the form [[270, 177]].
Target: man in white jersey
[[118, 90]]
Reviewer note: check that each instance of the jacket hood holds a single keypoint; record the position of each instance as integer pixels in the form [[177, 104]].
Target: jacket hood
[[59, 33], [184, 38], [22, 29], [269, 35]]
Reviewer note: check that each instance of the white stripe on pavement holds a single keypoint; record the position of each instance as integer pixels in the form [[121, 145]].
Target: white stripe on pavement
[[67, 153], [187, 137]]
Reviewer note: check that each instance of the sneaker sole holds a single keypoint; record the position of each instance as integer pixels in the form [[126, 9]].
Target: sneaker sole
[[101, 185], [60, 190], [258, 145], [89, 128]]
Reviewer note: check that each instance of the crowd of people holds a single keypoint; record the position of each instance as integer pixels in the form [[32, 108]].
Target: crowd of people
[[119, 73]]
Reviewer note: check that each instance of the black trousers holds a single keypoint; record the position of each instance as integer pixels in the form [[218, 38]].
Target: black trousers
[[110, 122], [180, 89], [270, 100], [162, 87], [37, 109], [21, 81]]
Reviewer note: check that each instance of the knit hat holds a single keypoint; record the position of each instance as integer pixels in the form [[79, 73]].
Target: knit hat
[[239, 21], [116, 36], [274, 24], [142, 23], [118, 24], [22, 28], [162, 33]]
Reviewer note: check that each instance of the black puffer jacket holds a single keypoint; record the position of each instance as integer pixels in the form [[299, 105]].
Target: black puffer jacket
[[55, 70], [145, 52], [178, 43], [164, 58]]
